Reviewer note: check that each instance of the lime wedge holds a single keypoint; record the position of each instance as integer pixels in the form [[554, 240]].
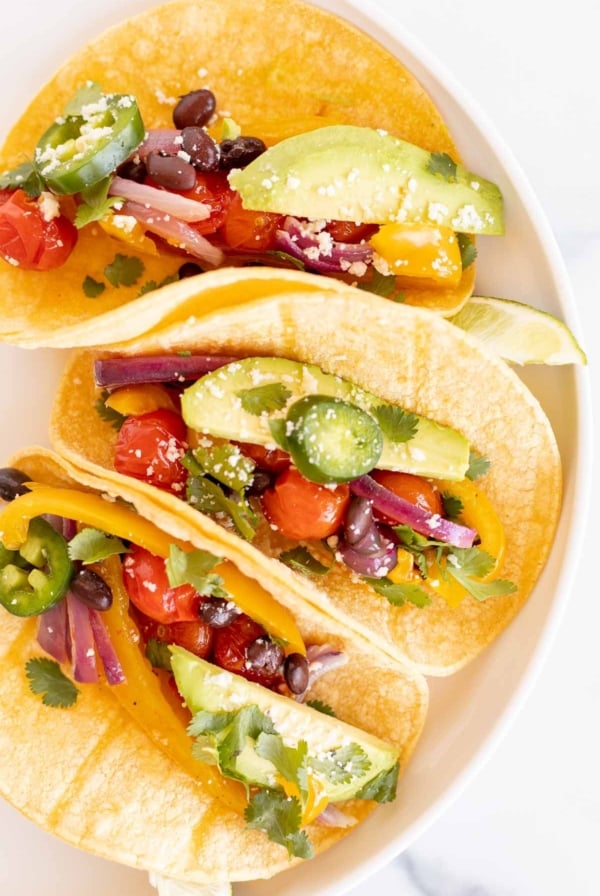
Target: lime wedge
[[167, 886], [519, 333]]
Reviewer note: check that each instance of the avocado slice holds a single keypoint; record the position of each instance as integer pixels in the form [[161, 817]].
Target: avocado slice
[[350, 173], [214, 404], [214, 690]]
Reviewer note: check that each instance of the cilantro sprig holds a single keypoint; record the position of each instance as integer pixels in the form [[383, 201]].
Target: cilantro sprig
[[108, 414], [194, 568], [264, 399], [91, 545], [47, 679], [395, 423], [302, 560], [209, 497]]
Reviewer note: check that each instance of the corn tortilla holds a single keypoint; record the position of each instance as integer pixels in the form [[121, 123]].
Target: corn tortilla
[[407, 356], [91, 776], [323, 68]]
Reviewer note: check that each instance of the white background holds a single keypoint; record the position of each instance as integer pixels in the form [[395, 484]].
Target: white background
[[530, 823]]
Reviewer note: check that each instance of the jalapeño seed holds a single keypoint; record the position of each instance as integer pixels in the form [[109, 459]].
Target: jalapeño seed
[[194, 109], [201, 148], [171, 172], [295, 672], [12, 483], [217, 612], [240, 152], [91, 589]]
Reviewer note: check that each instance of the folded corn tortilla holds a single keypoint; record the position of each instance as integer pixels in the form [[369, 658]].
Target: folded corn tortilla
[[404, 355], [319, 66]]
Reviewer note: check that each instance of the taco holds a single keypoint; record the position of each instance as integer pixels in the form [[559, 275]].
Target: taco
[[320, 405], [255, 785], [115, 184]]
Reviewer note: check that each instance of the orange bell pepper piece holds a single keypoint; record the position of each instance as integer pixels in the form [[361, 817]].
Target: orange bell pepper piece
[[426, 251]]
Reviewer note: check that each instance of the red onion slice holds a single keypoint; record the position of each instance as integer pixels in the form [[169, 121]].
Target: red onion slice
[[332, 817], [179, 233], [322, 658], [170, 203], [318, 250], [160, 140], [52, 632], [430, 524], [107, 653], [83, 651], [375, 564], [113, 372]]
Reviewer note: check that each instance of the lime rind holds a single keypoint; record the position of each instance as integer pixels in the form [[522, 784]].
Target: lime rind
[[519, 333]]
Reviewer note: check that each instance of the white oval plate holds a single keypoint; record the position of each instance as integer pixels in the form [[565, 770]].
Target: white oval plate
[[469, 711]]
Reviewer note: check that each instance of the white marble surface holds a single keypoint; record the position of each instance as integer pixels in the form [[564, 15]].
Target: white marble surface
[[530, 822]]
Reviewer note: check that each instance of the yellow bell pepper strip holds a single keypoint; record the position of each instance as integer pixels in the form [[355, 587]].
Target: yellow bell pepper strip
[[119, 520], [142, 697], [140, 398], [403, 570], [478, 513], [431, 252], [316, 799], [129, 231]]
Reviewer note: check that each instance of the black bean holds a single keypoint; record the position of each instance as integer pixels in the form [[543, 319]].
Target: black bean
[[194, 109], [265, 655], [217, 612], [91, 589], [240, 152], [133, 170], [261, 481], [11, 483], [189, 269], [171, 172], [295, 672], [203, 151]]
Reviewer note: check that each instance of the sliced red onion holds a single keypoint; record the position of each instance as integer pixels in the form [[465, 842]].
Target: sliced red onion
[[359, 519], [318, 250], [375, 564], [107, 653], [83, 651], [113, 372], [332, 817], [167, 140], [430, 524], [322, 658], [170, 203], [52, 632], [176, 231]]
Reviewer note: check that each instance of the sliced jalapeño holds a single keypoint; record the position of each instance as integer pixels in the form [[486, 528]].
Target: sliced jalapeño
[[37, 576]]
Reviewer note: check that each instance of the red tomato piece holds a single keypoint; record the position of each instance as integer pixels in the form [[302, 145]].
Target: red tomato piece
[[272, 459], [349, 232], [412, 488], [27, 239], [245, 229], [212, 188], [147, 585], [302, 509], [150, 447]]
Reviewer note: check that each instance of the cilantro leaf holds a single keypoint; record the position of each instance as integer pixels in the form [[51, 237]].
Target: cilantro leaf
[[382, 788], [478, 465], [226, 464], [398, 593], [468, 250], [384, 285], [208, 497], [342, 765], [108, 414], [157, 654], [194, 568], [95, 204], [25, 177], [452, 506], [124, 270], [301, 559], [248, 722], [47, 678], [91, 545], [93, 288], [443, 165], [289, 761], [320, 706], [205, 722], [151, 285], [288, 259], [466, 565], [396, 424], [279, 816], [264, 399]]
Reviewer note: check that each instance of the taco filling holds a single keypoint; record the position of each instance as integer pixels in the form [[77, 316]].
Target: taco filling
[[119, 602]]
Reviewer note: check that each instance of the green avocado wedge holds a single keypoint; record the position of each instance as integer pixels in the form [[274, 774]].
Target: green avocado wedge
[[350, 173], [247, 400]]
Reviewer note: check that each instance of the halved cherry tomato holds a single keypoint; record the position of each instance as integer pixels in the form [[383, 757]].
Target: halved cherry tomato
[[412, 488], [245, 229], [272, 459], [147, 585], [349, 232], [150, 447], [302, 509], [196, 636], [27, 239], [229, 649], [212, 188]]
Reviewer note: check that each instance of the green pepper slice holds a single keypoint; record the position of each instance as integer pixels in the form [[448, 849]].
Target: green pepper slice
[[37, 576], [78, 151]]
